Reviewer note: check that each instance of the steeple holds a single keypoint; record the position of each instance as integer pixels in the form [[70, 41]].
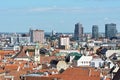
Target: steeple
[[37, 53]]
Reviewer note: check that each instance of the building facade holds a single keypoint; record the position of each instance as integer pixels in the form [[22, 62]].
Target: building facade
[[64, 42], [84, 61], [37, 36], [24, 40], [78, 32], [110, 30], [95, 32]]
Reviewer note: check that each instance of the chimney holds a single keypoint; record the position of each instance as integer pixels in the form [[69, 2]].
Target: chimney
[[90, 72], [18, 69]]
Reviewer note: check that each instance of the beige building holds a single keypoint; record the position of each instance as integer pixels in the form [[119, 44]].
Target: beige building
[[37, 36], [62, 65], [64, 42]]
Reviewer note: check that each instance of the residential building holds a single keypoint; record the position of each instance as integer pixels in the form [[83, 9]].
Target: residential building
[[14, 40], [62, 65], [64, 42], [78, 32], [110, 30], [95, 32], [111, 52], [97, 62], [24, 40], [19, 40], [83, 61]]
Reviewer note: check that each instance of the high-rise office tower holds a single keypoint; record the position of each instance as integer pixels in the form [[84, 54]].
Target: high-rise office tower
[[110, 30], [78, 32], [37, 36], [95, 32], [53, 33]]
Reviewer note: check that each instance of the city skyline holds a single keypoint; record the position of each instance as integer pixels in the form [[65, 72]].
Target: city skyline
[[61, 15]]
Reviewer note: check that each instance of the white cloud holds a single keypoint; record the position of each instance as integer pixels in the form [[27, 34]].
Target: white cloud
[[74, 10], [63, 10], [58, 9], [106, 18], [40, 9]]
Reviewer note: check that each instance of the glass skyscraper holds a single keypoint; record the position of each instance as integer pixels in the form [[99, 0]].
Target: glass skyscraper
[[110, 30], [78, 32], [95, 32]]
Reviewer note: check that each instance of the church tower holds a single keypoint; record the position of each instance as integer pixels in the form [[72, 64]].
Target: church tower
[[37, 53]]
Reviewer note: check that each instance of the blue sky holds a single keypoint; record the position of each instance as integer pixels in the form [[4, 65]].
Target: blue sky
[[58, 15]]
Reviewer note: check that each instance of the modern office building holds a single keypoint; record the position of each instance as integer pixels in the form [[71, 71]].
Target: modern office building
[[14, 40], [37, 36], [95, 32], [110, 30], [24, 40], [19, 40], [78, 32]]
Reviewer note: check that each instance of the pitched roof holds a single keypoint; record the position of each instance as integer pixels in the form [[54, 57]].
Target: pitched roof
[[4, 52], [39, 78], [86, 58], [22, 53], [11, 67], [77, 55], [46, 59], [79, 73], [2, 71]]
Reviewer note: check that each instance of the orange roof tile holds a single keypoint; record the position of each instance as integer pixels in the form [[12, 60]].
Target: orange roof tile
[[17, 74], [39, 78], [22, 52], [79, 74], [11, 67], [107, 79], [4, 52], [2, 71], [46, 59]]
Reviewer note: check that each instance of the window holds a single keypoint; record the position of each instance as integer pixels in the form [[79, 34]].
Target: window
[[92, 64]]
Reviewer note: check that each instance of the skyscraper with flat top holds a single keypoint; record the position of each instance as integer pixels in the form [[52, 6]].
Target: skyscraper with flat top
[[110, 30], [37, 36], [95, 32], [78, 32]]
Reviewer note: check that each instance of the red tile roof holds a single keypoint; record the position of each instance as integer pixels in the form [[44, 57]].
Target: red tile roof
[[46, 59], [4, 52], [39, 78], [17, 74], [83, 73], [11, 67], [2, 71], [22, 52], [107, 79]]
